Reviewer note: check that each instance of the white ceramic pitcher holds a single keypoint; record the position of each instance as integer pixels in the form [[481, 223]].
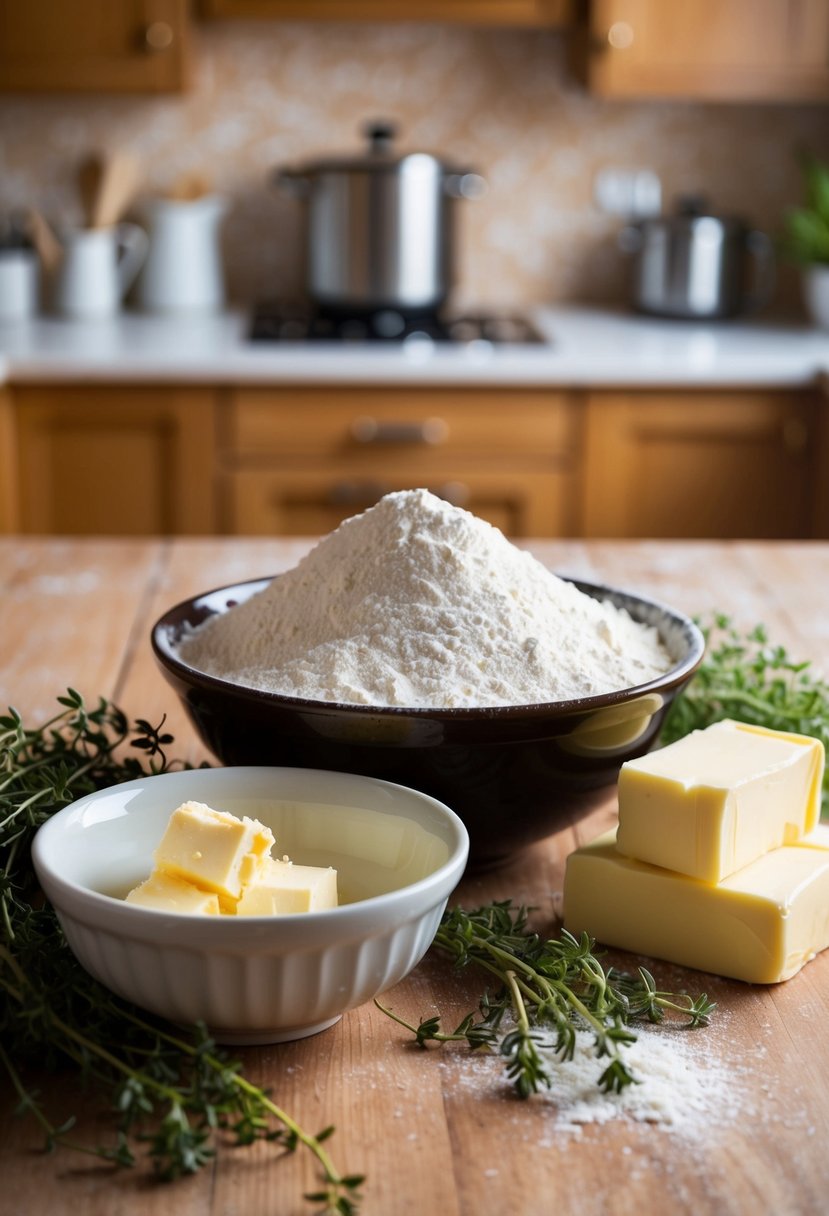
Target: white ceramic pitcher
[[96, 269], [183, 271]]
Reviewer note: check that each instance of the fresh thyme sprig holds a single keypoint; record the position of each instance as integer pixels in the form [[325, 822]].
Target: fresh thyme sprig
[[744, 676], [550, 988], [173, 1092]]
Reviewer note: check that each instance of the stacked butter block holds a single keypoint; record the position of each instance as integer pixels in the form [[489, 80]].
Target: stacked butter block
[[719, 861]]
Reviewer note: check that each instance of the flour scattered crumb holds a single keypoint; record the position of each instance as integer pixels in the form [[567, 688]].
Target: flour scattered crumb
[[418, 603], [683, 1086]]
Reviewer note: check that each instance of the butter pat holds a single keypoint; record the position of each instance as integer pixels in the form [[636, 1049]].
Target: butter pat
[[170, 894], [283, 888], [761, 924], [213, 850], [211, 862], [718, 799]]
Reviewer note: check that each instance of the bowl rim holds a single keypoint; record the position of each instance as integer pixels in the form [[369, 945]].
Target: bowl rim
[[108, 912], [167, 630]]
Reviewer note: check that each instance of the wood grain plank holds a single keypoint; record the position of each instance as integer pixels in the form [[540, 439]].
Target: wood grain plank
[[434, 1130], [68, 613]]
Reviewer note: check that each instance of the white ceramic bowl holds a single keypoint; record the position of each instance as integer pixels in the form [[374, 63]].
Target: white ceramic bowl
[[398, 853]]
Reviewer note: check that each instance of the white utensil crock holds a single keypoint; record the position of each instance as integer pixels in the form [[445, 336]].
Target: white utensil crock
[[97, 269], [816, 292], [18, 284], [183, 271]]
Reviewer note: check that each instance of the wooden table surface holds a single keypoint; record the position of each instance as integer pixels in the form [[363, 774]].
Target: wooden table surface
[[433, 1131]]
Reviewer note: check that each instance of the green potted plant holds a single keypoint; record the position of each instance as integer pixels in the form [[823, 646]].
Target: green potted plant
[[806, 238]]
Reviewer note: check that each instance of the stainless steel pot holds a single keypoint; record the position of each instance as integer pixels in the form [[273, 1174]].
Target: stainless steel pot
[[697, 265], [380, 226]]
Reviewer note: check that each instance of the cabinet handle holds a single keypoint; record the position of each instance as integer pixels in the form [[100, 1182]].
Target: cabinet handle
[[430, 431], [366, 493], [158, 36], [620, 35], [355, 493], [455, 492]]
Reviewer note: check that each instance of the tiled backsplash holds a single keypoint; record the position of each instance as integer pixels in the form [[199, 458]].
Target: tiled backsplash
[[502, 102]]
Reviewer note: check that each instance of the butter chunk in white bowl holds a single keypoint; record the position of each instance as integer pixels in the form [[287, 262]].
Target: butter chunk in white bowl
[[256, 978]]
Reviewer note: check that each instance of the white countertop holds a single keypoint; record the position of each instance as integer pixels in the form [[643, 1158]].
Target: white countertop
[[586, 347]]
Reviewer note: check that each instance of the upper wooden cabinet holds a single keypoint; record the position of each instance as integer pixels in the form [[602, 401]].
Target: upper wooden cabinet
[[128, 46], [719, 50], [477, 12]]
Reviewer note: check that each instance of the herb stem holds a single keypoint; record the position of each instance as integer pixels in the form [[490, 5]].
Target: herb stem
[[332, 1175], [175, 1096]]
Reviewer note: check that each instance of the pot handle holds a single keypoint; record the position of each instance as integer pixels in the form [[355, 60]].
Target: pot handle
[[464, 185], [760, 249], [292, 181], [381, 136]]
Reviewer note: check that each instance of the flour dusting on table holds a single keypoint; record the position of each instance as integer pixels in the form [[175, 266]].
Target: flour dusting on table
[[419, 603]]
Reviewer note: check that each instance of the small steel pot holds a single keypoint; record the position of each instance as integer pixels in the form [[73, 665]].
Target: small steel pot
[[697, 265], [380, 226]]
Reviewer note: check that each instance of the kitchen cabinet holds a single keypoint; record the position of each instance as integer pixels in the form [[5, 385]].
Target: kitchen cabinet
[[477, 12], [8, 464], [133, 46], [115, 460], [298, 461], [718, 50], [689, 464]]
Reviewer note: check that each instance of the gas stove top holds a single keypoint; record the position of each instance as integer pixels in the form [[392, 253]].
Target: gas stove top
[[275, 321]]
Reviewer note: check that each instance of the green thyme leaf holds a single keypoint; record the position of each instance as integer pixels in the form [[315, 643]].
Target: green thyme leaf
[[171, 1093]]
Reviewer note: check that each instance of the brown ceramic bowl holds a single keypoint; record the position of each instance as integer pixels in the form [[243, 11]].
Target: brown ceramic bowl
[[513, 773]]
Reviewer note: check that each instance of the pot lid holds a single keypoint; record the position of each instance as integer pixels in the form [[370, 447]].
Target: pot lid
[[381, 155], [693, 207]]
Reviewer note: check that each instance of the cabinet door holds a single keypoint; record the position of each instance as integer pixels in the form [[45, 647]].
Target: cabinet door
[[297, 461], [727, 50], [115, 461], [478, 12], [722, 465], [421, 427], [8, 465], [311, 502], [132, 46]]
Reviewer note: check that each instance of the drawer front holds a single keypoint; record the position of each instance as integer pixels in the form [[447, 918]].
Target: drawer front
[[259, 502], [375, 424]]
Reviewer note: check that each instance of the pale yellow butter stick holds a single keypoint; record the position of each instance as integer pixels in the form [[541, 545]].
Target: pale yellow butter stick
[[761, 924], [716, 800]]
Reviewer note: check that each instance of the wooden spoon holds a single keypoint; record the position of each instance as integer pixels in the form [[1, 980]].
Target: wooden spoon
[[49, 248], [108, 183], [90, 174], [188, 187]]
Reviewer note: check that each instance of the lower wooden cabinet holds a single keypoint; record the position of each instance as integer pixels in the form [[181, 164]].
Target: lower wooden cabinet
[[700, 464], [299, 461], [114, 460], [296, 502], [165, 459]]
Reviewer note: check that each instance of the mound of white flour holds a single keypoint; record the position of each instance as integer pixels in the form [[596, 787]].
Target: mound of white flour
[[418, 603]]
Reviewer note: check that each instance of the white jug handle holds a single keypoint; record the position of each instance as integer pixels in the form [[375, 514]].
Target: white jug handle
[[133, 244], [760, 248]]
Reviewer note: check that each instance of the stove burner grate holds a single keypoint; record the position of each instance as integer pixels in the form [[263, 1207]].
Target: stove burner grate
[[275, 321]]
